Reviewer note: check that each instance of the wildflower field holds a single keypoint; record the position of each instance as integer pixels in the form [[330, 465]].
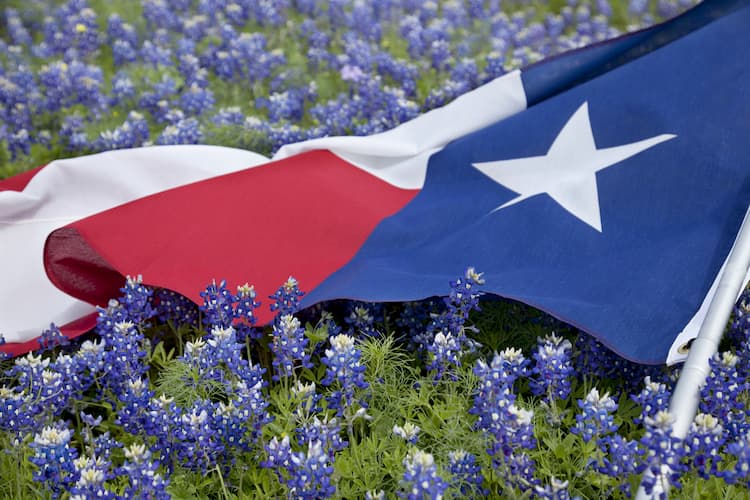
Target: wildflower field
[[462, 396]]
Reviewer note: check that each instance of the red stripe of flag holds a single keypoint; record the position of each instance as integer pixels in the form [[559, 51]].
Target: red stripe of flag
[[306, 216]]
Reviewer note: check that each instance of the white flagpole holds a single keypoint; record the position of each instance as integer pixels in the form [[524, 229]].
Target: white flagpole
[[684, 403]]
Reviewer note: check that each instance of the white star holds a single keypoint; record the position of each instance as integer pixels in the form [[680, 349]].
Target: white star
[[567, 173]]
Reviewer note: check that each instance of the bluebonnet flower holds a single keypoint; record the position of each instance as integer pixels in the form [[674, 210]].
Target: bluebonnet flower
[[89, 422], [57, 80], [496, 384], [87, 363], [119, 30], [270, 12], [217, 305], [638, 7], [286, 298], [54, 457], [197, 100], [59, 384], [138, 127], [519, 428], [337, 116], [3, 355], [222, 349], [19, 142], [72, 125], [52, 338], [495, 65], [440, 54], [449, 339], [739, 450], [86, 31], [466, 474], [250, 402], [666, 8], [143, 479], [28, 369], [306, 474], [187, 131], [18, 33], [197, 355], [593, 358], [403, 72], [166, 114], [421, 479], [197, 444], [229, 116], [156, 54], [653, 398], [307, 399], [415, 316], [466, 70], [119, 138], [351, 73], [553, 368], [287, 105], [364, 21], [253, 61], [720, 395], [42, 391], [224, 64], [326, 430], [104, 444], [309, 7], [288, 345], [703, 442], [409, 432], [123, 52], [311, 473], [15, 414], [171, 306], [230, 425], [92, 473], [134, 399], [160, 91], [195, 27], [361, 318], [441, 96], [595, 419], [508, 427], [136, 299], [278, 455], [336, 13], [244, 312], [125, 350], [444, 351], [236, 14], [556, 490], [344, 368], [21, 96], [158, 14], [185, 50], [44, 138], [739, 332], [664, 453]]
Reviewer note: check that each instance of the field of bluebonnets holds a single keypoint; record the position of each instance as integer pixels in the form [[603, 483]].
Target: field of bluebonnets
[[349, 400]]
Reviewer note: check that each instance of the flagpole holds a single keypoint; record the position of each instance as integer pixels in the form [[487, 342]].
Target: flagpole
[[684, 403]]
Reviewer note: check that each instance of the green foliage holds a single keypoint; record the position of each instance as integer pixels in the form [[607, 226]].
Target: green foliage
[[15, 479]]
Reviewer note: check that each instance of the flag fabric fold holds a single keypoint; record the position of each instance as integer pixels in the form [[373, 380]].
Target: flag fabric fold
[[605, 186], [36, 202]]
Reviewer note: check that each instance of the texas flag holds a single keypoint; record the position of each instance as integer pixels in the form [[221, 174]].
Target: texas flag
[[605, 186]]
